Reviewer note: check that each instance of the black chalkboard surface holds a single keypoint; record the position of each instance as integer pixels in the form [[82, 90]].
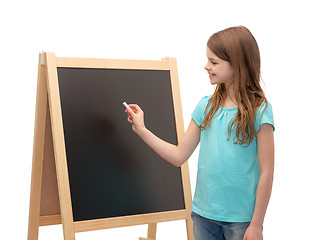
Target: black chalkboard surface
[[112, 172]]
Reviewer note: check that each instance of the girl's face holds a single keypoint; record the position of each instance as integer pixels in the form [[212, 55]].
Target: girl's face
[[220, 71]]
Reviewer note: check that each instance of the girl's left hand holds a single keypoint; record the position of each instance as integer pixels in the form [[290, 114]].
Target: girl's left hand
[[253, 233]]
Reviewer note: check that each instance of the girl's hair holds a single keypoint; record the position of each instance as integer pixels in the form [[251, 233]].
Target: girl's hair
[[238, 46]]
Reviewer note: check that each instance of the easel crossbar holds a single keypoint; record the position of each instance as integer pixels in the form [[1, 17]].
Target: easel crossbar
[[49, 220], [83, 226]]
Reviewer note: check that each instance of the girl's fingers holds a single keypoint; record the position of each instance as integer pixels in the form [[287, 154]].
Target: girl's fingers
[[132, 112], [135, 107]]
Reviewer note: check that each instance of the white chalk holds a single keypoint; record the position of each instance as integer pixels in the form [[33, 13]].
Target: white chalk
[[125, 104]]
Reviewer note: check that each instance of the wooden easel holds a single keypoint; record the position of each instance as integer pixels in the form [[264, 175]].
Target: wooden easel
[[50, 199]]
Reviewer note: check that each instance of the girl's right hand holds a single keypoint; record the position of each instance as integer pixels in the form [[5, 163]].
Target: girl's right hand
[[135, 117]]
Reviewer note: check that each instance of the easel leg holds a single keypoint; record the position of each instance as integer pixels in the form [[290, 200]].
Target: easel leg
[[189, 227], [38, 154], [59, 147], [151, 232]]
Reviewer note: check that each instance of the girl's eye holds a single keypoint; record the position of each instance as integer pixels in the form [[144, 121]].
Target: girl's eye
[[213, 63]]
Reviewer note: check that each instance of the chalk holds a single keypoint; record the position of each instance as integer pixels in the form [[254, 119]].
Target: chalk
[[125, 104]]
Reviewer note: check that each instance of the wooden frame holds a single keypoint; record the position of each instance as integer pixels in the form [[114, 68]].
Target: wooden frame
[[50, 200]]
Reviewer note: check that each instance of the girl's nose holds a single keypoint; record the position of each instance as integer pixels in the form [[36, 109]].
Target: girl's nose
[[207, 67]]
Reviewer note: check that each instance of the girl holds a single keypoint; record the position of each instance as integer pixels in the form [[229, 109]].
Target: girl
[[235, 128]]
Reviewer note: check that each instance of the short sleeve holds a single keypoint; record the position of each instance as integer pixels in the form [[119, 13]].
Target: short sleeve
[[199, 112], [264, 116]]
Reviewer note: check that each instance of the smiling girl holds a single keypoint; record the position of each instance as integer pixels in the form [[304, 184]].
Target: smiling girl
[[234, 127]]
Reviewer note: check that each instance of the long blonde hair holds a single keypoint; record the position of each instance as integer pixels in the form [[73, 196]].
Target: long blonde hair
[[238, 46]]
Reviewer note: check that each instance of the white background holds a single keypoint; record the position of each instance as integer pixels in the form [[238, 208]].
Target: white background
[[152, 30]]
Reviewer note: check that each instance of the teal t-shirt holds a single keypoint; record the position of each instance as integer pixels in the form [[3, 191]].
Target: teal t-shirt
[[227, 173]]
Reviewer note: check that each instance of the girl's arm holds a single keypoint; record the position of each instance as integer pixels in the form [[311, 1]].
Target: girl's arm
[[176, 155], [265, 145]]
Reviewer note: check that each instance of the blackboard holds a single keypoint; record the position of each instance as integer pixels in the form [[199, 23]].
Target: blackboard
[[112, 172]]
